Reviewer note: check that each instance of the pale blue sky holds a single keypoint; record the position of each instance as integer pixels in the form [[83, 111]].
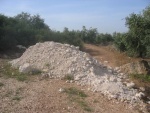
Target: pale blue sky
[[105, 15]]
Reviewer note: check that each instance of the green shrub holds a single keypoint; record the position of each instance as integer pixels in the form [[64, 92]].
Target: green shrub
[[141, 77], [68, 77]]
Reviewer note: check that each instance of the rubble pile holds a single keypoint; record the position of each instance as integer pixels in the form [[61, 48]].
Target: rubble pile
[[57, 60]]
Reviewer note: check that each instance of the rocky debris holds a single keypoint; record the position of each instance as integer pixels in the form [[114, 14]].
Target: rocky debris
[[140, 95], [58, 60], [27, 68], [21, 47], [61, 90], [130, 85], [138, 67], [142, 89]]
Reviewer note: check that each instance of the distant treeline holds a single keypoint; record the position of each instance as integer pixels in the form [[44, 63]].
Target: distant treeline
[[25, 29]]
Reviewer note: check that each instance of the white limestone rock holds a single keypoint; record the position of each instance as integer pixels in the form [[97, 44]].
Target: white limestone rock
[[130, 85], [63, 59], [139, 95]]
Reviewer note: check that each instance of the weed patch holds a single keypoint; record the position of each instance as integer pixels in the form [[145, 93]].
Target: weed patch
[[1, 84], [74, 91], [8, 93], [68, 77], [84, 105], [141, 77], [78, 96], [10, 72], [16, 98]]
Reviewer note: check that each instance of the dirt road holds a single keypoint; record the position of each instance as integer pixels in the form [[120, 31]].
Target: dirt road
[[108, 53]]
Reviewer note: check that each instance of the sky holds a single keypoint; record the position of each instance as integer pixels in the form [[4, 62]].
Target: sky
[[107, 16]]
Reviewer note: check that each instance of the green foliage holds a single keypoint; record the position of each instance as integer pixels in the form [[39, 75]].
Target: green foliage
[[136, 41], [103, 39], [68, 77], [92, 36], [78, 96], [74, 91], [148, 51], [10, 72], [17, 98], [141, 77], [119, 41], [25, 29], [7, 34]]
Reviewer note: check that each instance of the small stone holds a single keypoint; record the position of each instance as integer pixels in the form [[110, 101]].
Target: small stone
[[140, 95], [118, 71], [112, 79], [110, 71], [69, 108], [67, 81], [110, 68], [142, 88], [148, 102], [121, 74], [71, 81], [61, 90], [88, 89], [114, 96], [130, 85], [77, 47], [105, 62]]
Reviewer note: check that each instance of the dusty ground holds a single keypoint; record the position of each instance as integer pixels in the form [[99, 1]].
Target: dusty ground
[[43, 96], [108, 53]]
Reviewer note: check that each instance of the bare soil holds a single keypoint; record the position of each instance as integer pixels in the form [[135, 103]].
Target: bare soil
[[43, 96], [110, 54]]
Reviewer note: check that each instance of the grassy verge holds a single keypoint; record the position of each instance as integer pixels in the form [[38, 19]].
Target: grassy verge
[[78, 97], [68, 77], [141, 77], [7, 71]]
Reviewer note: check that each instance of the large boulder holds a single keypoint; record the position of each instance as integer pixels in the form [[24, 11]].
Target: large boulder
[[138, 67]]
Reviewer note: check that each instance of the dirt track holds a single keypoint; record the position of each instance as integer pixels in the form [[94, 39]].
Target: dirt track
[[108, 53]]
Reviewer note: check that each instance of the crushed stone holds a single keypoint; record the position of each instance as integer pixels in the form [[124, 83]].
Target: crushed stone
[[57, 60]]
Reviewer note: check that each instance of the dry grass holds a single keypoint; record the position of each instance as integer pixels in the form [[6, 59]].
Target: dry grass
[[68, 77], [1, 84], [77, 96], [10, 72]]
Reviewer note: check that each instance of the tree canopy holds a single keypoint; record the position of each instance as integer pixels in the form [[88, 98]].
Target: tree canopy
[[137, 40], [26, 29]]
